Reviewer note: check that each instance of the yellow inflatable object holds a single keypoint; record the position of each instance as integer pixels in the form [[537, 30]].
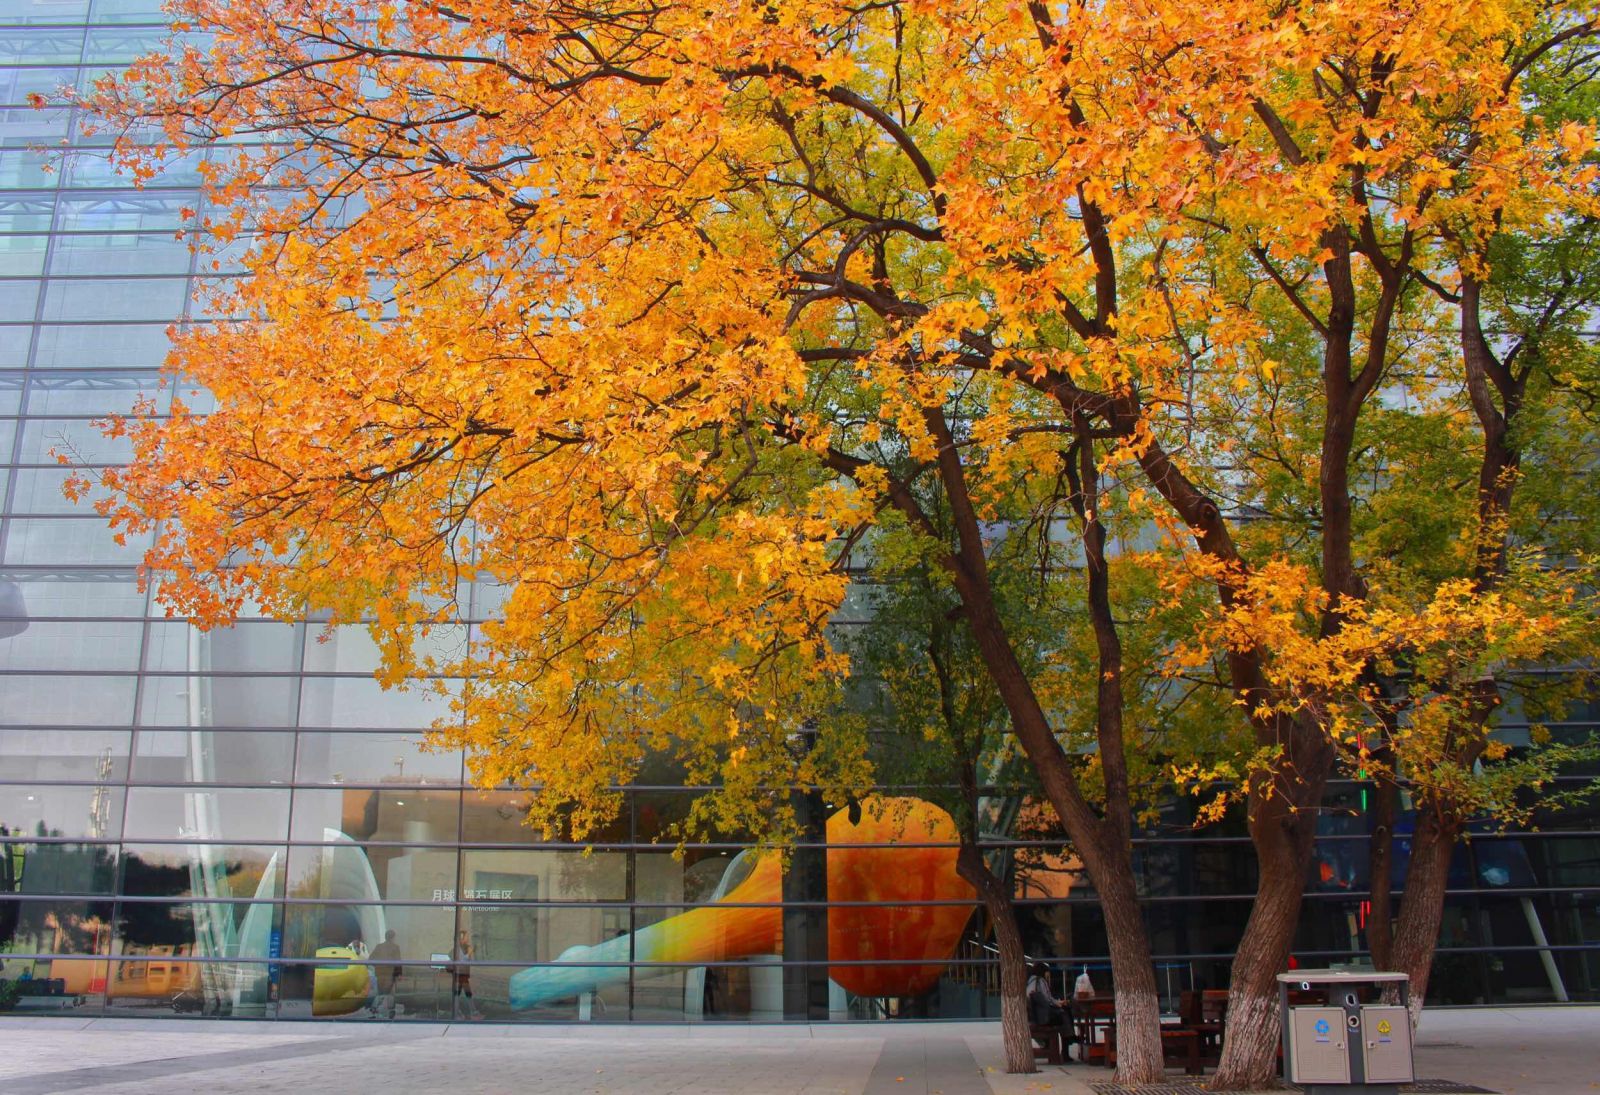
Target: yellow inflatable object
[[339, 990]]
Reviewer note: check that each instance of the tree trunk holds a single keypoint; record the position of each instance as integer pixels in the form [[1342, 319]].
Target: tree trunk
[[1139, 1057], [1102, 842], [1283, 831], [1380, 873], [1013, 963], [1422, 904]]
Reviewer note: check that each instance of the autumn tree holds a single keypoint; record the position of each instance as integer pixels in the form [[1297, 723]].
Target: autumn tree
[[642, 313], [919, 678], [1518, 532], [1421, 133]]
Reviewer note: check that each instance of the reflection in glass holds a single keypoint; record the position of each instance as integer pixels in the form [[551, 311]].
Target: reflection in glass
[[361, 701], [231, 815], [45, 811], [87, 756], [206, 700], [56, 868], [399, 815], [166, 938], [389, 757], [109, 346], [525, 875], [344, 870], [69, 929], [168, 870], [500, 817], [70, 593], [224, 756], [35, 699], [59, 541]]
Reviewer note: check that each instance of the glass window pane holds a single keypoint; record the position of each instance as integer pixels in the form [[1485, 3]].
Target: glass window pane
[[25, 594], [10, 400], [42, 11], [232, 815], [18, 299], [103, 346], [1562, 860], [166, 982], [87, 755], [210, 929], [44, 811], [695, 876], [402, 816], [17, 84], [218, 701], [120, 253], [56, 541], [93, 393], [660, 812], [14, 342], [40, 46], [331, 988], [123, 212], [565, 875], [202, 870], [37, 700], [27, 125], [213, 756], [77, 644], [92, 167], [161, 298], [58, 868], [529, 934], [22, 256], [361, 701], [128, 11], [26, 212], [497, 817], [124, 44], [80, 440], [352, 650], [381, 757], [347, 871], [40, 490], [263, 647], [54, 927], [28, 168]]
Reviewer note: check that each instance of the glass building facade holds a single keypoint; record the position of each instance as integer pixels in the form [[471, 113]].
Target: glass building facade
[[244, 823]]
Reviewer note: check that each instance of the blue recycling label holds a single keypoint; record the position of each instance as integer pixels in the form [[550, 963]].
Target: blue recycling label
[[1321, 1027]]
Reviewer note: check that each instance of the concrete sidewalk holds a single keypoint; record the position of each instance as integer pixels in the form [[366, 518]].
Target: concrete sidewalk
[[1535, 1051]]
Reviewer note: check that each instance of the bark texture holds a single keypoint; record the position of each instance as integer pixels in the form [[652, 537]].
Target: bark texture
[[1422, 906], [1013, 963], [1283, 828]]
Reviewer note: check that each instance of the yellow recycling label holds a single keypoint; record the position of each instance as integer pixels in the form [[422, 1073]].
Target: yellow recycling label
[[1383, 1026]]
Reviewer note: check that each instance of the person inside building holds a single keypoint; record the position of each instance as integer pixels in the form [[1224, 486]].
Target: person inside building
[[461, 981], [385, 956]]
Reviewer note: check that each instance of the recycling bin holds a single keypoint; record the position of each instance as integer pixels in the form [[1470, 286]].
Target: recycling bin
[[1340, 1037]]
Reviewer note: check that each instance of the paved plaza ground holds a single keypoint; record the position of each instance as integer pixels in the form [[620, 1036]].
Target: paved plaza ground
[[1528, 1051]]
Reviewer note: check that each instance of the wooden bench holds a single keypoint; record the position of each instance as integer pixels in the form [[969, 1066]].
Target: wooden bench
[[1181, 1046], [1053, 1049]]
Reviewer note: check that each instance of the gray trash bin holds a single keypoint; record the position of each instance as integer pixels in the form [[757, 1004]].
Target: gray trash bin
[[1339, 1038]]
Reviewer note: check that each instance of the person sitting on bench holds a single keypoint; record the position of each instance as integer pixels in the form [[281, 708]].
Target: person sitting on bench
[[1044, 1010]]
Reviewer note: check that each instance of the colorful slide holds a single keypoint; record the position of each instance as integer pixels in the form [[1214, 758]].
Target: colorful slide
[[869, 860]]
